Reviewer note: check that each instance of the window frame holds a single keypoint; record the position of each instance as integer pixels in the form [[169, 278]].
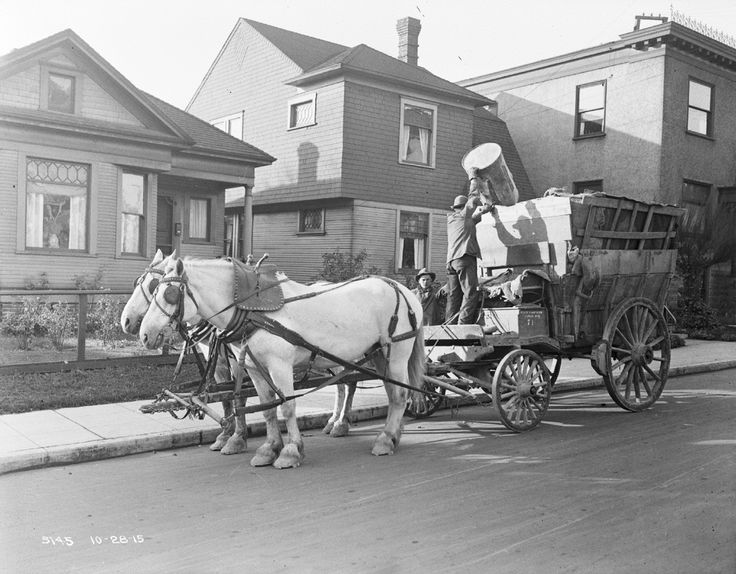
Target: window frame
[[187, 220], [432, 151], [228, 119], [143, 240], [300, 222], [302, 98], [46, 71], [579, 112], [710, 123], [90, 207], [427, 247], [703, 206]]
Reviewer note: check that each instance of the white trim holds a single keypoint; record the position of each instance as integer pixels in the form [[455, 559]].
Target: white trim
[[228, 118]]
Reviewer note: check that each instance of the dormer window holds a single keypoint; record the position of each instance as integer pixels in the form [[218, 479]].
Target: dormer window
[[61, 93]]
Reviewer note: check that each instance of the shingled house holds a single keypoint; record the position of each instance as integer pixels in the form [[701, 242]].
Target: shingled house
[[95, 174], [369, 147]]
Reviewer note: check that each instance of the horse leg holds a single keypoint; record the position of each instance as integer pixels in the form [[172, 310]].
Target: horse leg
[[269, 451], [237, 442], [222, 374], [341, 426], [388, 439], [336, 409], [292, 454]]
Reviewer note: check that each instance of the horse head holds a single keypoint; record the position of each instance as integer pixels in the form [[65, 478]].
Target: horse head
[[143, 288], [172, 305]]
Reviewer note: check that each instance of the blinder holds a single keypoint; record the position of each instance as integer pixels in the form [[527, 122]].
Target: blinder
[[172, 294], [152, 285]]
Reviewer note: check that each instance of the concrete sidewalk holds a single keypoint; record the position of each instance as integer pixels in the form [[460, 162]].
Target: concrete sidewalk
[[71, 435]]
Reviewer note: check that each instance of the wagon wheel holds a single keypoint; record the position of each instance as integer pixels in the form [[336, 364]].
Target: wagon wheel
[[521, 389], [636, 354], [420, 405]]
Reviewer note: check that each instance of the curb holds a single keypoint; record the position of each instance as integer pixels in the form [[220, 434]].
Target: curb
[[112, 448]]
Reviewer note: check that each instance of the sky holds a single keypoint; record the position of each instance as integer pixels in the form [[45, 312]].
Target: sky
[[165, 47]]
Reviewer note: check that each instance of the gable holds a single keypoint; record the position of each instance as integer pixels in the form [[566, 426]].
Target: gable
[[23, 89]]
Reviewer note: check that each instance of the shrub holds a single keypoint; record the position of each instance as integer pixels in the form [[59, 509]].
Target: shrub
[[24, 323], [339, 266], [59, 322], [696, 315], [103, 319]]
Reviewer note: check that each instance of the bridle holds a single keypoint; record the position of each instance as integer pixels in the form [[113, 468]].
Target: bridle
[[174, 295], [151, 286]]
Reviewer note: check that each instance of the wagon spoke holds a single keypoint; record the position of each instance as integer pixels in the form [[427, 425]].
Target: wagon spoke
[[645, 380], [625, 340], [656, 341], [625, 360], [629, 330], [650, 330]]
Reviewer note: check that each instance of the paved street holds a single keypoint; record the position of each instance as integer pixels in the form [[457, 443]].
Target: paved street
[[594, 489]]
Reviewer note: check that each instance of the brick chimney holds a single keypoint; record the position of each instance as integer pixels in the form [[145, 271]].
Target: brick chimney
[[408, 29]]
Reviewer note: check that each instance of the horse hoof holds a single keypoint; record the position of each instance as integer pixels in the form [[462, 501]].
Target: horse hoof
[[265, 455], [340, 429], [328, 427], [291, 457], [235, 445], [383, 446], [220, 441]]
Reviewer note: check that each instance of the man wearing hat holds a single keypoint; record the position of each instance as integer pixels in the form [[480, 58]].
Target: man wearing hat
[[429, 296], [462, 258]]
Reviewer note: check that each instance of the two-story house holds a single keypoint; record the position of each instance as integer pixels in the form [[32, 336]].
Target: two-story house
[[651, 116], [95, 174], [369, 147]]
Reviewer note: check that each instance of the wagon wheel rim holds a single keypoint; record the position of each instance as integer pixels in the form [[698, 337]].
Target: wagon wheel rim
[[637, 357], [420, 405], [521, 390]]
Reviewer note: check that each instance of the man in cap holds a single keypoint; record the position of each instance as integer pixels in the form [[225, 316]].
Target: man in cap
[[429, 296], [462, 258]]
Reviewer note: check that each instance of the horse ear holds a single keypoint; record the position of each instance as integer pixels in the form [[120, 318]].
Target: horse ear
[[173, 254], [179, 267], [158, 257]]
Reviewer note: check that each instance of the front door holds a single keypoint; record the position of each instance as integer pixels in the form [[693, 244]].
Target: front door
[[165, 224]]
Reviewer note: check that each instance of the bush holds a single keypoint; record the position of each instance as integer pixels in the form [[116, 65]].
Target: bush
[[23, 323], [696, 315], [59, 322], [103, 320], [338, 266]]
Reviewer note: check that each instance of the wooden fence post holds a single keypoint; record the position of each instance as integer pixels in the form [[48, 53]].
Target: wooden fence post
[[82, 327]]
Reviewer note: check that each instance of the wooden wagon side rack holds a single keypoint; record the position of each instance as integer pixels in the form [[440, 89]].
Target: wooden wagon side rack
[[564, 276]]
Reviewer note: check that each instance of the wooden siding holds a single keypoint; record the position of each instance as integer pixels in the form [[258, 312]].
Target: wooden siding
[[371, 152], [250, 76], [300, 255]]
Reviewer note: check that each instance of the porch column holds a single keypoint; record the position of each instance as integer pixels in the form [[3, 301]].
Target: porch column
[[247, 222]]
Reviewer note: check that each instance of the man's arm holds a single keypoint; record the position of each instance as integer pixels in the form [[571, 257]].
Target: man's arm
[[478, 214]]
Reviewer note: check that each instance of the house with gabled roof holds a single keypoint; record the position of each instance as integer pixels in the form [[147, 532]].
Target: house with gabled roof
[[95, 174], [369, 148]]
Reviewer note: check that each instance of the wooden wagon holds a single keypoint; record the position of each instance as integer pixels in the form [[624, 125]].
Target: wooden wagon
[[563, 276]]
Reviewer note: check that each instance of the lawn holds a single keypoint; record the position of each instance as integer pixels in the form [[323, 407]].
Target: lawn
[[38, 391]]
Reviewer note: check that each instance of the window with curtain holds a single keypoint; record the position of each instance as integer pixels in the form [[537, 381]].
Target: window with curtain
[[418, 128], [302, 111], [590, 109], [57, 196], [133, 219], [413, 234], [700, 108], [199, 219]]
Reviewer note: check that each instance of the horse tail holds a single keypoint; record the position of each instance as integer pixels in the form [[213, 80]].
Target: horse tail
[[417, 360]]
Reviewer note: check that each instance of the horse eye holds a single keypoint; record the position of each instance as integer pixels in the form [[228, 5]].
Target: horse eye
[[152, 285], [171, 295]]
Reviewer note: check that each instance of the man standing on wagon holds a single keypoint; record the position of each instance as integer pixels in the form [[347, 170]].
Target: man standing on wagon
[[462, 257]]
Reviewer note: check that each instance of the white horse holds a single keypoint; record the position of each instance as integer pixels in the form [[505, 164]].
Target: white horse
[[232, 438], [370, 316]]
